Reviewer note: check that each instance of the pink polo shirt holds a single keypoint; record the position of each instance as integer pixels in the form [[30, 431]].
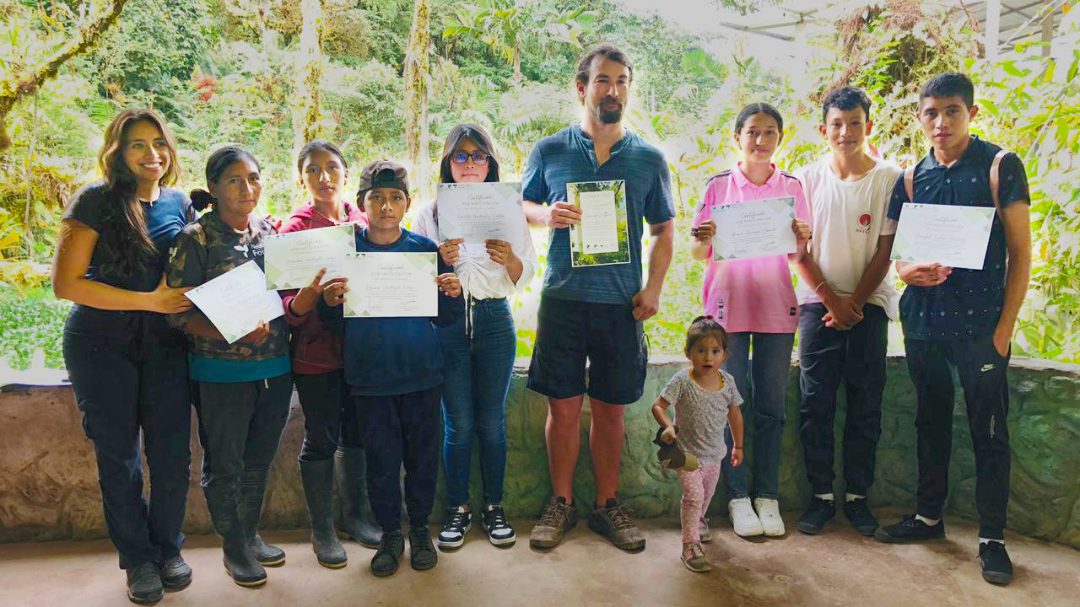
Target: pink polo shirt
[[751, 295]]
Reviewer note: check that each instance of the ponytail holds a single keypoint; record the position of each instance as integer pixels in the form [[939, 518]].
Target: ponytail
[[201, 199]]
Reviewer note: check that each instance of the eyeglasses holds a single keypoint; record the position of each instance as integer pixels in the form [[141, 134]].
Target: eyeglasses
[[478, 158]]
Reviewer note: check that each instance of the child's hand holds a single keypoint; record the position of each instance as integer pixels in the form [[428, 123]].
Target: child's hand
[[736, 456], [334, 292], [308, 296], [450, 250], [668, 435], [704, 232], [449, 284], [802, 232]]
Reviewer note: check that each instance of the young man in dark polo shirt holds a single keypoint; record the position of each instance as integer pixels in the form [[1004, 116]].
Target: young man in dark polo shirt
[[963, 319]]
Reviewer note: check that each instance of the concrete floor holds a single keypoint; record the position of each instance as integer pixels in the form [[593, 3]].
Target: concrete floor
[[836, 568]]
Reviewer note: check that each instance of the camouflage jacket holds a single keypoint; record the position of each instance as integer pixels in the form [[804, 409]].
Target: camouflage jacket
[[206, 249]]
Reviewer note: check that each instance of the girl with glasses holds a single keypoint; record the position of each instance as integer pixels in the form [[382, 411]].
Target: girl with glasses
[[480, 345]]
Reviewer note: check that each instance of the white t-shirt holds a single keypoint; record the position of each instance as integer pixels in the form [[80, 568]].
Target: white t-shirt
[[481, 277], [847, 219]]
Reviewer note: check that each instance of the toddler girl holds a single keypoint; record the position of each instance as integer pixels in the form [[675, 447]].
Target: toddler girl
[[706, 401]]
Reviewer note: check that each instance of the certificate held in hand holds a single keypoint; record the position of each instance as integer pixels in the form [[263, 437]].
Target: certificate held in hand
[[292, 260], [237, 301], [477, 212], [954, 236], [602, 237], [391, 285], [756, 228]]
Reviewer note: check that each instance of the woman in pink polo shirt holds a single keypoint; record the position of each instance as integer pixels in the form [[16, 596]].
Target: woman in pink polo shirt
[[330, 430], [754, 300]]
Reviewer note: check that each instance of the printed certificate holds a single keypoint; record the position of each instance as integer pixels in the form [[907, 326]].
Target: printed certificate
[[954, 236], [756, 228], [292, 260], [391, 284], [602, 238], [237, 301], [478, 212]]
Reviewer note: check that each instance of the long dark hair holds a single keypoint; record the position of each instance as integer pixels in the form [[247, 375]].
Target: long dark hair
[[476, 134], [219, 161], [130, 244]]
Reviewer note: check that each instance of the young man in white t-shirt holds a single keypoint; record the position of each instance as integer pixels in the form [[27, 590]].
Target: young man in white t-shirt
[[846, 301]]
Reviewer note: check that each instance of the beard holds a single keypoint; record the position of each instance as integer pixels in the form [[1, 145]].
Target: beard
[[609, 116]]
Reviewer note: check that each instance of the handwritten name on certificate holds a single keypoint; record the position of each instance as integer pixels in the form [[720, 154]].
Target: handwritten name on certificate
[[237, 301], [292, 260], [954, 236], [602, 237], [391, 284], [756, 228], [478, 212]]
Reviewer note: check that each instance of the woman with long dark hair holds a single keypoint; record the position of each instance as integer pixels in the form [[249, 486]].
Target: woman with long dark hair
[[479, 345], [244, 387], [127, 366]]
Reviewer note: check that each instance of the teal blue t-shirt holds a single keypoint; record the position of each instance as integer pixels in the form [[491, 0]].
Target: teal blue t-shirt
[[569, 157]]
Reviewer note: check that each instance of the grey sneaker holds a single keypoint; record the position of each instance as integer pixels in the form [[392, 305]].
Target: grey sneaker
[[704, 533], [693, 556], [613, 522], [557, 519]]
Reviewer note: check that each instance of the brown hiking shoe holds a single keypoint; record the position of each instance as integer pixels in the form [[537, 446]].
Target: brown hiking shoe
[[557, 519], [613, 522]]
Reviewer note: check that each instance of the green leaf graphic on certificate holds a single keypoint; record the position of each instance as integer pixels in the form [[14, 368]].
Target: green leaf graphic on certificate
[[603, 236]]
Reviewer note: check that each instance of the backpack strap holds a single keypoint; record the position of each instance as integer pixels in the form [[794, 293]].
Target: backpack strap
[[995, 179]]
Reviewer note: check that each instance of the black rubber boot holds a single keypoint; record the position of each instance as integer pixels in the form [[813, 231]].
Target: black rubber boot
[[357, 521], [318, 479], [240, 561], [252, 490]]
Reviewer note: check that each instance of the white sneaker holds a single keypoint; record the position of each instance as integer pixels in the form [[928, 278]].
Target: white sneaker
[[743, 519], [768, 511]]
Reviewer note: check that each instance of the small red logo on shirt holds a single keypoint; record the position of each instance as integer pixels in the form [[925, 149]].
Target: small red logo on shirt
[[864, 223]]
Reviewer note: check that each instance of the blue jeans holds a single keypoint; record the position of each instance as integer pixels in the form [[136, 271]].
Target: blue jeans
[[762, 382], [477, 376]]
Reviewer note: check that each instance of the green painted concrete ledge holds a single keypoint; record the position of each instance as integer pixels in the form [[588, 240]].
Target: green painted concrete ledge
[[48, 482]]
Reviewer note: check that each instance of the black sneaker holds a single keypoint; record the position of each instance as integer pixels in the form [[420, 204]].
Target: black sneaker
[[457, 524], [910, 529], [818, 513], [859, 515], [499, 531], [175, 573], [144, 584], [389, 553], [996, 566], [422, 553]]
